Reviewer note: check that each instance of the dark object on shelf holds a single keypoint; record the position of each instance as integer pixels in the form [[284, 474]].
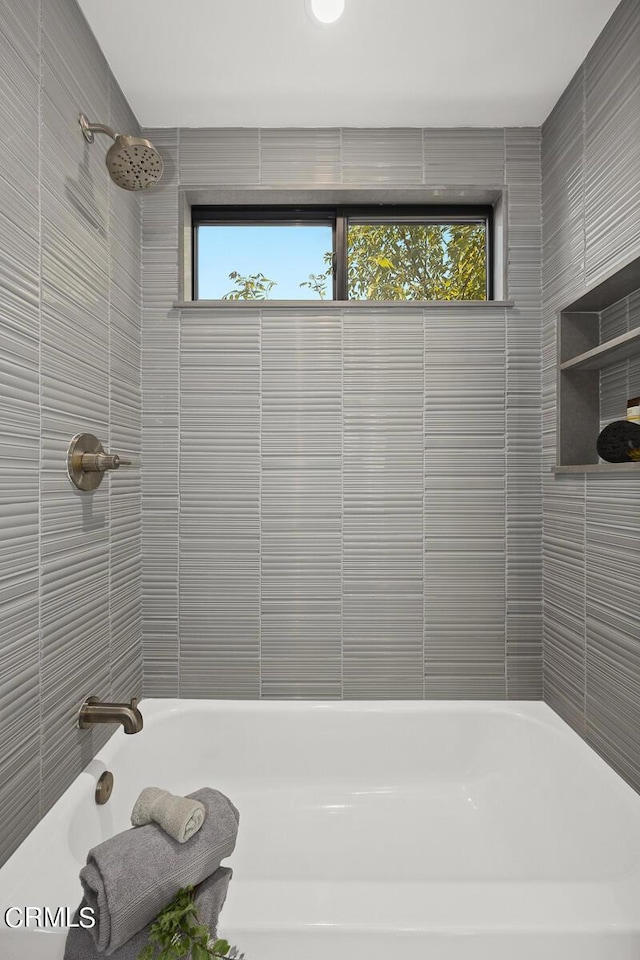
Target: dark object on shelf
[[582, 354], [633, 409], [619, 442]]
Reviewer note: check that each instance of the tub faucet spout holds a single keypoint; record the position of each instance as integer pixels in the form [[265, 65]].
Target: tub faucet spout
[[92, 711]]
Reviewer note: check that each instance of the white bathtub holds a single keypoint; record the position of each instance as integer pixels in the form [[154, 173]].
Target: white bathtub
[[373, 830]]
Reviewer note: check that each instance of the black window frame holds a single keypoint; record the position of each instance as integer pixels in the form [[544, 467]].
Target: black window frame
[[338, 217]]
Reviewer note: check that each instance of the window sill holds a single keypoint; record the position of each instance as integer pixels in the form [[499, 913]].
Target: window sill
[[341, 304]]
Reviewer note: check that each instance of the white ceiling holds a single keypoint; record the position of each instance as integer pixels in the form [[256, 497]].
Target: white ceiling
[[246, 63]]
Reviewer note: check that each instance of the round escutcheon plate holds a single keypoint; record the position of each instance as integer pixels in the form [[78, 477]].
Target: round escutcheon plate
[[104, 787]]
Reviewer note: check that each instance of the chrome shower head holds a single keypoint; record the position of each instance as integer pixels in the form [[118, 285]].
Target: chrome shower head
[[133, 162]]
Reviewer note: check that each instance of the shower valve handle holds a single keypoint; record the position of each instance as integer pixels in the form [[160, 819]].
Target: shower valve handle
[[102, 462], [87, 461]]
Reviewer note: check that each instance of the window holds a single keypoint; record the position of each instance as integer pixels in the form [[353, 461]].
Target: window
[[358, 253]]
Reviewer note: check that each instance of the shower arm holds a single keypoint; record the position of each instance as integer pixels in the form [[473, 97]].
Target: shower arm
[[88, 129], [132, 161]]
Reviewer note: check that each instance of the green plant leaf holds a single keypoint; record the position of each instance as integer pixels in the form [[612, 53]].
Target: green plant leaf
[[177, 933]]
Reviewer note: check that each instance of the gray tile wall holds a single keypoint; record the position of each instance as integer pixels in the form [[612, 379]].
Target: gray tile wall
[[591, 216], [70, 329], [342, 502], [621, 381]]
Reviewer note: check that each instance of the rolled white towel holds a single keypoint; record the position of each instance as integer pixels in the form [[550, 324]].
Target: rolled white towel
[[180, 817]]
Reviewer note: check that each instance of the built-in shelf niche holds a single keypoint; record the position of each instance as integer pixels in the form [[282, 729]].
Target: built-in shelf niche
[[581, 357]]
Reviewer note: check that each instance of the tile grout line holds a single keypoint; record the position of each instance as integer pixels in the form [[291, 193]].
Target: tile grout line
[[140, 669], [342, 315], [260, 406], [109, 496], [342, 504], [179, 458], [584, 281], [506, 434], [540, 381], [540, 391], [260, 324], [584, 614], [142, 443], [40, 444], [584, 174], [506, 497], [424, 502]]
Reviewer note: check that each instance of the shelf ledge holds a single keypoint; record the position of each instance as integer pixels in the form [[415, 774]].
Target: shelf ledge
[[600, 469], [619, 348]]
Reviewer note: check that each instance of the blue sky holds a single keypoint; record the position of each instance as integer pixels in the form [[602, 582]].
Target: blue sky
[[287, 254]]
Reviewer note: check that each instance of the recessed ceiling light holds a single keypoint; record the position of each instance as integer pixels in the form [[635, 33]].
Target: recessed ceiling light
[[327, 11]]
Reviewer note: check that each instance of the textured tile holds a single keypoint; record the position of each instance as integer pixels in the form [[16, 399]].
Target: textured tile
[[19, 36], [70, 48], [19, 507], [221, 156], [20, 711], [19, 97], [614, 393], [523, 489], [612, 144], [160, 653], [331, 586], [160, 205], [160, 425], [69, 361], [19, 795], [564, 598], [382, 156], [563, 203], [621, 381], [524, 675], [125, 610], [74, 582], [19, 425], [301, 505], [383, 504], [290, 158], [614, 320], [125, 428], [219, 525], [590, 213], [464, 524], [613, 625], [468, 156]]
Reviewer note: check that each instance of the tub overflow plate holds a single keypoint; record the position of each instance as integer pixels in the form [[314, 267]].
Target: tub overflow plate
[[104, 787]]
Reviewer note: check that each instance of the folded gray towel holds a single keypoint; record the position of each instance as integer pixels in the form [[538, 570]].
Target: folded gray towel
[[180, 817], [209, 900], [129, 878]]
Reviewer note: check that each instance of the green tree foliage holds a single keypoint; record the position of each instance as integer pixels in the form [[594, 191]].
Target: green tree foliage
[[253, 287], [318, 282], [410, 261], [416, 262]]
